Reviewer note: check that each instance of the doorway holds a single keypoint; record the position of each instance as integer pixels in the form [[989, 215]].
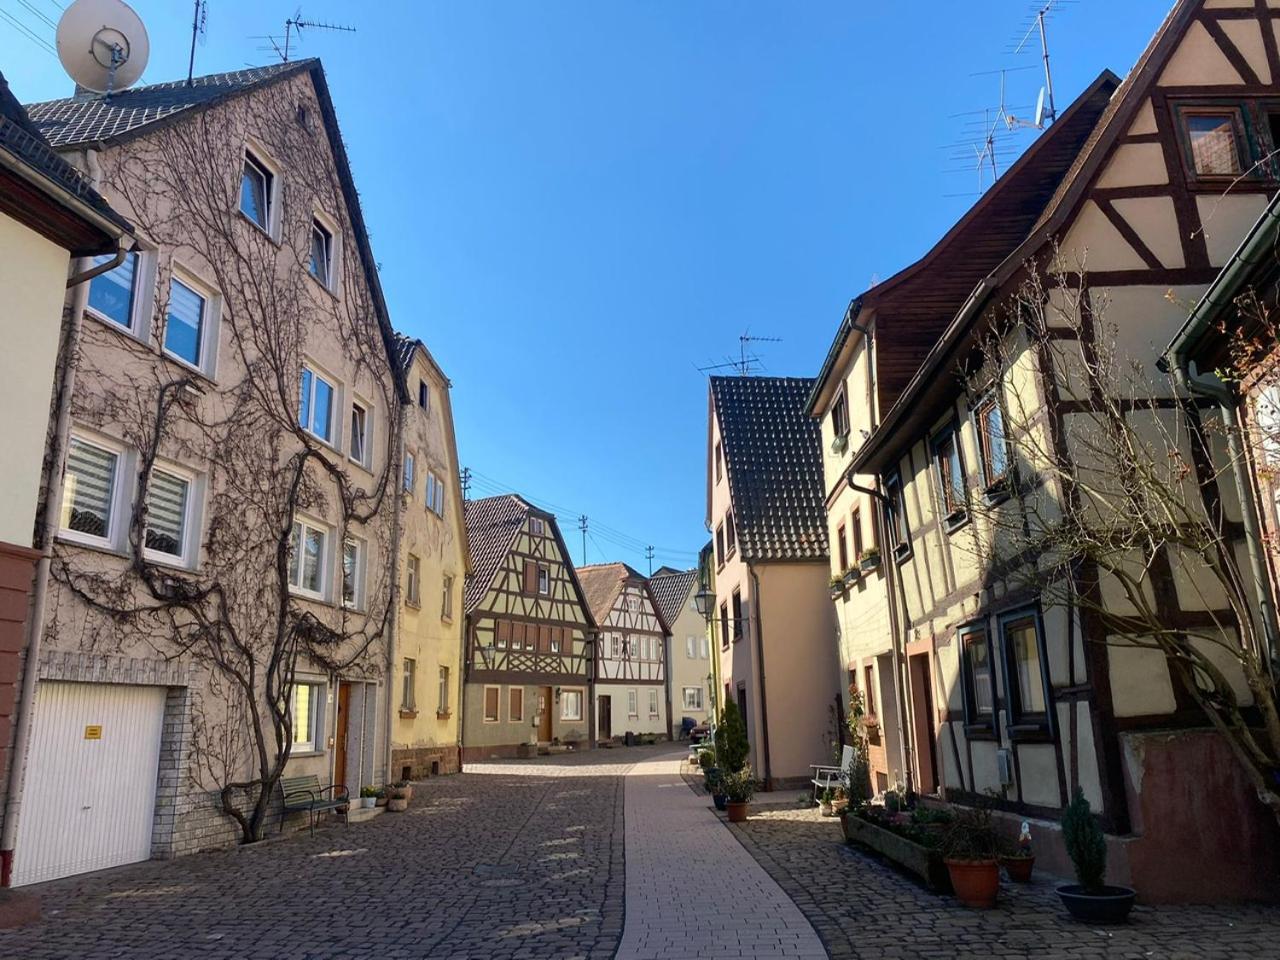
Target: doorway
[[605, 725], [342, 725], [922, 723], [544, 715]]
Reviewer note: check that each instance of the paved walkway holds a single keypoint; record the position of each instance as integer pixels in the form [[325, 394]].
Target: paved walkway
[[692, 890]]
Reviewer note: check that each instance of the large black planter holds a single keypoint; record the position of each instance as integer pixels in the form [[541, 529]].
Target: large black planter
[[1108, 905], [720, 800]]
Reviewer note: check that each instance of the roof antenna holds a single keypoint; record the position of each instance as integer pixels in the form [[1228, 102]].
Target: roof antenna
[[199, 27], [296, 23], [1046, 112], [746, 360]]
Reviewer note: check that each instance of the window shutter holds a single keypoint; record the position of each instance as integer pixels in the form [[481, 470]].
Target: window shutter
[[530, 577]]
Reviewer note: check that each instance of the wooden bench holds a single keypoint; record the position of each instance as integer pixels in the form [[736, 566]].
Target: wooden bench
[[305, 793]]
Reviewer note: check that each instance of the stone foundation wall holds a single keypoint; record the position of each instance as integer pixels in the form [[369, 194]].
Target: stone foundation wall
[[424, 762]]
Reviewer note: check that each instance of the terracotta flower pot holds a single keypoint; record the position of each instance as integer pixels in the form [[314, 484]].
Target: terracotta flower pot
[[737, 811], [976, 882], [1018, 869]]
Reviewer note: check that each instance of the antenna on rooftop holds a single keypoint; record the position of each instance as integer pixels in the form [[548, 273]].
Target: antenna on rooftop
[[199, 27], [746, 359], [297, 22], [103, 45]]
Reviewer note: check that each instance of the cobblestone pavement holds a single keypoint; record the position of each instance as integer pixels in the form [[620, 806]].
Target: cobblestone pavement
[[515, 860], [691, 890], [864, 909]]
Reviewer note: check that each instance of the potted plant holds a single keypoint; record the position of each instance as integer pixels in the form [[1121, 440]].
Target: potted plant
[[969, 851], [368, 796], [739, 788], [711, 782], [379, 796], [1090, 900], [1019, 858], [869, 559], [398, 796], [836, 585], [825, 804]]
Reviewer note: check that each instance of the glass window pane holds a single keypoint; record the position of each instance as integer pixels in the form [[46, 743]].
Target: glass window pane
[[1021, 637], [304, 400], [111, 293], [319, 265], [87, 489], [312, 559], [993, 426], [359, 418], [302, 715], [350, 569], [253, 194], [979, 654], [322, 408], [1213, 144], [185, 324], [166, 513]]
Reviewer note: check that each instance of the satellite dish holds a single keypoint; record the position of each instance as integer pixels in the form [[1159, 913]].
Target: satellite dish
[[102, 44], [1040, 109]]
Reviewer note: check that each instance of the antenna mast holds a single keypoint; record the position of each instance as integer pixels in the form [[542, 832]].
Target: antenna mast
[[199, 20], [296, 23]]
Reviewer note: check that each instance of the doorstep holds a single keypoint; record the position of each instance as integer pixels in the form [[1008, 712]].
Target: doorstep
[[364, 813]]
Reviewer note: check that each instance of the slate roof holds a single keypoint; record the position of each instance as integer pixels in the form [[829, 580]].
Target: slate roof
[[671, 592], [773, 457], [492, 526], [22, 139], [93, 119]]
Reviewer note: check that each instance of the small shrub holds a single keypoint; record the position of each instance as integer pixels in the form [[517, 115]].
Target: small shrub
[[732, 747], [1086, 845], [739, 786], [970, 836]]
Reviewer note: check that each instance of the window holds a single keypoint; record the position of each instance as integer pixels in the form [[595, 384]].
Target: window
[[185, 323], [1212, 137], [869, 690], [724, 624], [855, 523], [557, 639], [446, 599], [111, 294], [571, 705], [515, 704], [1027, 674], [168, 503], [408, 702], [536, 526], [424, 395], [690, 647], [730, 535], [442, 693], [842, 548], [413, 581], [360, 448], [615, 646], [307, 551], [408, 472], [321, 264], [633, 704], [977, 677], [692, 698], [435, 494], [315, 405], [544, 580], [951, 486], [719, 462], [255, 192], [896, 521], [307, 714], [840, 415], [737, 615], [704, 648], [491, 695], [653, 703], [89, 491], [352, 572], [991, 445], [720, 545]]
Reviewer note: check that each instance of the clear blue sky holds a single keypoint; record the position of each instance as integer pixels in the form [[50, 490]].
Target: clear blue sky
[[576, 204]]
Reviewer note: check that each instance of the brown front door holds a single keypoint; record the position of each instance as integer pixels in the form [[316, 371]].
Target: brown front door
[[922, 723], [606, 718], [340, 736], [544, 715]]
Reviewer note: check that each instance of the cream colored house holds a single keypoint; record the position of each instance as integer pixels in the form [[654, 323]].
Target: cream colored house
[[426, 682], [51, 221], [223, 559], [690, 681], [1155, 186], [777, 628]]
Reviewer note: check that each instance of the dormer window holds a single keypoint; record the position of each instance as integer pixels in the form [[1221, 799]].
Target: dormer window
[[256, 183], [424, 395]]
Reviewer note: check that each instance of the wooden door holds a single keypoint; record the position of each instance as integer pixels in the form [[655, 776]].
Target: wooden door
[[340, 736], [544, 715], [605, 726], [922, 724]]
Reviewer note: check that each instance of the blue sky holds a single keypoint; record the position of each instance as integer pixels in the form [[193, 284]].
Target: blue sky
[[577, 204]]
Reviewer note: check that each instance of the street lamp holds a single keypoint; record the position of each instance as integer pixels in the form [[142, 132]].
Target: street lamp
[[705, 600]]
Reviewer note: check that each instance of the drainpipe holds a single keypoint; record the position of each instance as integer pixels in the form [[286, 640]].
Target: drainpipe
[[46, 529], [592, 708], [1189, 379], [394, 621], [764, 696], [898, 633]]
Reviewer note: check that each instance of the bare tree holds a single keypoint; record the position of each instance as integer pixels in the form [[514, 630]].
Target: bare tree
[[234, 618]]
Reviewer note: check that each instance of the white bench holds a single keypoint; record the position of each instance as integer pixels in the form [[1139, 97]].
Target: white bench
[[826, 777]]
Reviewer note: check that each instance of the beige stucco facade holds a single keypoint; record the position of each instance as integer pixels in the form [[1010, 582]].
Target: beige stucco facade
[[690, 664]]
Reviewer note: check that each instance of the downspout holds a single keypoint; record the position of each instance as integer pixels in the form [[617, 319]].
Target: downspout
[[764, 696], [896, 627], [397, 499], [46, 529], [1203, 385], [465, 669], [593, 708]]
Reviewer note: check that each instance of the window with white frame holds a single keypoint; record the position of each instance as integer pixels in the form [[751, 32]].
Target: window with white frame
[[90, 489], [307, 717], [353, 566], [409, 681], [307, 558], [408, 472], [361, 421], [315, 405], [320, 265], [185, 323], [536, 526], [446, 598], [633, 704], [691, 647], [570, 704], [704, 648], [413, 580], [256, 191], [544, 579], [112, 294], [168, 513], [442, 692], [692, 698], [653, 703], [435, 495]]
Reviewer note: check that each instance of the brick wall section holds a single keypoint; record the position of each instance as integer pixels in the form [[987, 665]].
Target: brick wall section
[[17, 572]]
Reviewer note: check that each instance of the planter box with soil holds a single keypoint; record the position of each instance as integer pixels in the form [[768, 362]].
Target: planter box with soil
[[924, 862]]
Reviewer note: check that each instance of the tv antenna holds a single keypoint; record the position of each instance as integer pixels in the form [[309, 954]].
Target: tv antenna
[[1046, 111], [296, 24], [746, 359], [103, 45], [199, 30]]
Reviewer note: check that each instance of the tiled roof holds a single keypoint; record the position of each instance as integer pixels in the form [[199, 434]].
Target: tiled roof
[[492, 526], [91, 119], [405, 348], [602, 582], [21, 138], [671, 592], [773, 458]]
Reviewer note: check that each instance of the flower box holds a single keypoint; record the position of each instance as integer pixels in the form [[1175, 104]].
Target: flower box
[[924, 862], [869, 563]]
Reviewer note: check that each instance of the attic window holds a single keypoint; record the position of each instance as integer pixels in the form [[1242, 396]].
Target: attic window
[[304, 118], [1213, 139], [840, 415], [255, 191]]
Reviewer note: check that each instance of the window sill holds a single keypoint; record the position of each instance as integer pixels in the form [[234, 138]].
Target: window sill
[[187, 367], [1030, 733], [129, 333], [446, 618], [443, 714], [89, 542], [413, 604], [979, 731], [300, 594], [955, 520], [997, 492], [408, 714], [326, 287], [304, 754], [257, 226]]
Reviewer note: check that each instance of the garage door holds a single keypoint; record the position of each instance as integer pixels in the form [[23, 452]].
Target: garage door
[[91, 780]]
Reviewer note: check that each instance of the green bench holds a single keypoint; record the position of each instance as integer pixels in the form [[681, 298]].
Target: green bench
[[305, 793]]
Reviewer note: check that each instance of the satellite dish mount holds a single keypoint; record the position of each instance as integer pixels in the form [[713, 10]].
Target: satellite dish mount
[[103, 45]]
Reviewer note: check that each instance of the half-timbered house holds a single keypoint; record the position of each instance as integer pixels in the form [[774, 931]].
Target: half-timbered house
[[529, 635], [631, 675]]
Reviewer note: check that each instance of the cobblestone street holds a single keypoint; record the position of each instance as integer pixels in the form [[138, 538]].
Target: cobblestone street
[[581, 856]]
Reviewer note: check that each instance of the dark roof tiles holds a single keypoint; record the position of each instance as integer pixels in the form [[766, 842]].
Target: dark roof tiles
[[671, 592], [492, 527]]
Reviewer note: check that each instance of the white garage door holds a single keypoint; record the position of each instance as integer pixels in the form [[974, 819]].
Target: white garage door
[[91, 779]]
